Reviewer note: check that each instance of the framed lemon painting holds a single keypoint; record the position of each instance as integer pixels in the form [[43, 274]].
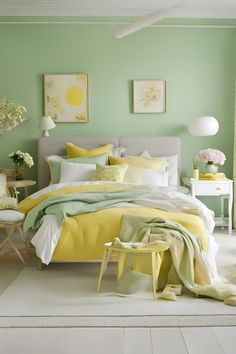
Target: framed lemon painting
[[66, 97]]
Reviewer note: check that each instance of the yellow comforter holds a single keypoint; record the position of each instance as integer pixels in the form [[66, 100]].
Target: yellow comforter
[[83, 236]]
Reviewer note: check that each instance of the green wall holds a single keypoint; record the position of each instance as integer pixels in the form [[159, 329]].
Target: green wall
[[199, 65]]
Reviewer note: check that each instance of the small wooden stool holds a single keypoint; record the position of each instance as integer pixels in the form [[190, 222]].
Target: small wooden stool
[[156, 252], [10, 219], [9, 224]]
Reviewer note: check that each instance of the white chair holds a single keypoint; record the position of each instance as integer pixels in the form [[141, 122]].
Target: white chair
[[10, 221]]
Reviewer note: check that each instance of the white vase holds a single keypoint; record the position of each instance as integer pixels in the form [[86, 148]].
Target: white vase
[[211, 168]]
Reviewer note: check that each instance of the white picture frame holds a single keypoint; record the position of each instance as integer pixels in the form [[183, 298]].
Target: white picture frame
[[149, 96], [66, 97]]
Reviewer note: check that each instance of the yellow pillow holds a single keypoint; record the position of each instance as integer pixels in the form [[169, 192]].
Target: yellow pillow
[[138, 161], [76, 151], [110, 173]]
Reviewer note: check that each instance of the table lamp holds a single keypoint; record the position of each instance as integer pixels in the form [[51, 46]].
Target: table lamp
[[46, 123]]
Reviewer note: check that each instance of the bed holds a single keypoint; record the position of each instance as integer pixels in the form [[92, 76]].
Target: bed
[[87, 248], [81, 236]]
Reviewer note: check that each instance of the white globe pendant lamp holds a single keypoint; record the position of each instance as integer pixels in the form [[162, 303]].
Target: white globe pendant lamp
[[203, 126]]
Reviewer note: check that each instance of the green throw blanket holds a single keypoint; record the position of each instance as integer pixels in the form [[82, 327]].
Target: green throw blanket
[[185, 250], [79, 203]]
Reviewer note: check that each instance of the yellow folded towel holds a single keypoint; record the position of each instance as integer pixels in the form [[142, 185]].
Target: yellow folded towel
[[212, 176]]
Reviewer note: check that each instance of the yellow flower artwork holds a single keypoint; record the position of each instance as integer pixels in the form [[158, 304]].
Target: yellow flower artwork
[[149, 96], [66, 97]]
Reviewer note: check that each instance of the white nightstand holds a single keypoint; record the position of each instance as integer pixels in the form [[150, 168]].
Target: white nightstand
[[222, 188]]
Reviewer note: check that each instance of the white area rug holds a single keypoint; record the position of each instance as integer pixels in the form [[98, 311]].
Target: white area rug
[[64, 295]]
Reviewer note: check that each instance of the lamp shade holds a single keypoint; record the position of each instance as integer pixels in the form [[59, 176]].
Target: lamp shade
[[46, 123], [203, 126]]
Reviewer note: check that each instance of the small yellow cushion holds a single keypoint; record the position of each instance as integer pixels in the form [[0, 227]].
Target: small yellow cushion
[[8, 203], [138, 161], [77, 151], [110, 173]]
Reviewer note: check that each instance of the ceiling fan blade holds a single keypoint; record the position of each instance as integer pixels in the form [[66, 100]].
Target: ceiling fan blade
[[140, 23], [147, 20]]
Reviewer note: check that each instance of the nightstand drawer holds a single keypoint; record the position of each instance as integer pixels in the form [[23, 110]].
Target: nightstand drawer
[[212, 188]]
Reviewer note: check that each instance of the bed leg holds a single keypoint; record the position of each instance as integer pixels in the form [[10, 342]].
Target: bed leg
[[40, 265]]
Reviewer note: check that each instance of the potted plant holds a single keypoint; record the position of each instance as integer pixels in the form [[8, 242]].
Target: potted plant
[[212, 158], [22, 160]]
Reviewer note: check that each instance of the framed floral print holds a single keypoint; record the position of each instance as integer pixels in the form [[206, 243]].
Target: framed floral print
[[149, 96], [66, 97]]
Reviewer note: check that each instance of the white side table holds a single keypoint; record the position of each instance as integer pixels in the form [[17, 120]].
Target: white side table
[[222, 188]]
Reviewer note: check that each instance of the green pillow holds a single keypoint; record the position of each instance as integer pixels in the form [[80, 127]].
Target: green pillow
[[113, 173], [54, 163]]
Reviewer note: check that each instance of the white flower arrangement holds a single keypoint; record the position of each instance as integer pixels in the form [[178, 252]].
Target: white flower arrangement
[[22, 158], [11, 114], [212, 156]]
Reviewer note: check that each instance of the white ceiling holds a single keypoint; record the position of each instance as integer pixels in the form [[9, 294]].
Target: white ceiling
[[185, 9]]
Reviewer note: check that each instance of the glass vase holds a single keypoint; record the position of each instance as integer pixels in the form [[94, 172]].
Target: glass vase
[[211, 168], [20, 172]]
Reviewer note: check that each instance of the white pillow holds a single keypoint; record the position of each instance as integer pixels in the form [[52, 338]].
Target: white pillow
[[145, 153], [146, 176], [72, 172], [155, 178], [11, 216], [172, 167]]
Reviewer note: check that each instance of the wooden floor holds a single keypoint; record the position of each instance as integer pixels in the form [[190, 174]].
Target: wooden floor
[[204, 340]]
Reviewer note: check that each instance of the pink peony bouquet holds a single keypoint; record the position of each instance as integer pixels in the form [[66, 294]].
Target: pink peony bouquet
[[212, 156]]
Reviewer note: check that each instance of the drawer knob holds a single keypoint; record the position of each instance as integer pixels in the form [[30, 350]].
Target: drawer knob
[[218, 188]]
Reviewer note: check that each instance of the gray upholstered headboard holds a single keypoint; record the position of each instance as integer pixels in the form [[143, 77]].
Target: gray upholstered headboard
[[157, 146]]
